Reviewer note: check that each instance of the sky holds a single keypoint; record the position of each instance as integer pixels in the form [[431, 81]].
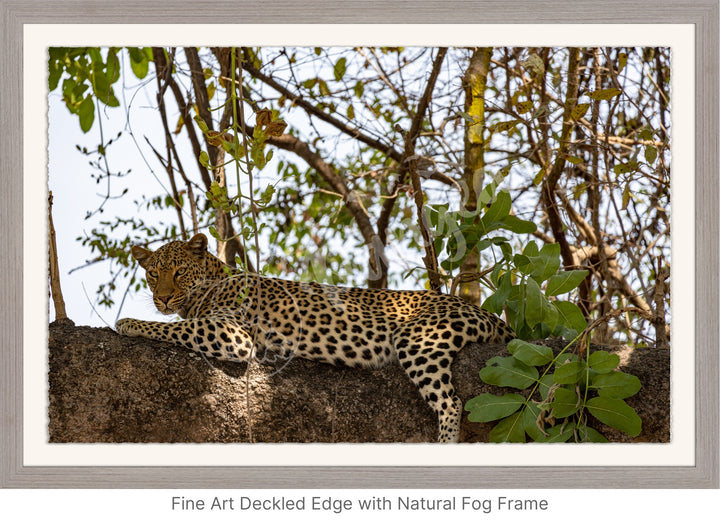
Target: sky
[[74, 195]]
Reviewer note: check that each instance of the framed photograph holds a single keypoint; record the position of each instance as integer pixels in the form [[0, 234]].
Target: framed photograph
[[644, 95]]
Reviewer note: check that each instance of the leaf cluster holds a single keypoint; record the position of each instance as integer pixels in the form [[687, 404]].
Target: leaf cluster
[[89, 75], [559, 393], [517, 278]]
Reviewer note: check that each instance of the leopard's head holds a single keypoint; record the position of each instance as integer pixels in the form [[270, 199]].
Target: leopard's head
[[174, 268]]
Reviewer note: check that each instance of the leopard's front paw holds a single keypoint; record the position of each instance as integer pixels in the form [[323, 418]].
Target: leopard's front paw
[[127, 327]]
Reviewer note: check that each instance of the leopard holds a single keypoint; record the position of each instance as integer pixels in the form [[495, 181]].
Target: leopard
[[235, 315]]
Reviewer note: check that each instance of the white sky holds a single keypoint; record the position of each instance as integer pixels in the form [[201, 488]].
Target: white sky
[[74, 194]]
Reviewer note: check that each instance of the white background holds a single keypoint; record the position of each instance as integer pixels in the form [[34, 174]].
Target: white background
[[143, 506]]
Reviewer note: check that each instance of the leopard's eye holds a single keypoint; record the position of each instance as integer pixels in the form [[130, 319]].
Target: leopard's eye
[[152, 273], [180, 271]]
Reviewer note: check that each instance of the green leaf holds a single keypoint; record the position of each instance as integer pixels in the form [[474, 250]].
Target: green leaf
[[569, 373], [489, 407], [257, 155], [515, 225], [55, 71], [539, 176], [616, 384], [647, 133], [524, 106], [544, 385], [650, 154], [204, 159], [603, 362], [588, 434], [565, 403], [486, 194], [101, 86], [267, 195], [564, 282], [496, 301], [538, 309], [530, 354], [112, 72], [508, 371], [558, 434], [604, 94], [340, 68], [628, 167], [201, 124], [505, 125], [138, 62], [626, 196], [522, 263], [547, 262], [615, 413], [359, 89], [86, 113], [531, 249], [579, 111], [499, 209], [509, 430], [535, 64], [570, 315], [529, 421], [622, 61]]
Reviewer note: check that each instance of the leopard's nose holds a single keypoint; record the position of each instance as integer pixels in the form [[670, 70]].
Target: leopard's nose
[[164, 299]]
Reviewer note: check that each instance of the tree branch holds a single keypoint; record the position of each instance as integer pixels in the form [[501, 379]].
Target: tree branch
[[550, 182], [297, 100], [430, 258], [378, 260], [55, 288]]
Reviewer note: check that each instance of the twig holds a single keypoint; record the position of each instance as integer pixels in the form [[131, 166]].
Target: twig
[[55, 289], [603, 319]]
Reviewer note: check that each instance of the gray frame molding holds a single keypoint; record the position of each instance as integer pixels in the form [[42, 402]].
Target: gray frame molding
[[703, 14]]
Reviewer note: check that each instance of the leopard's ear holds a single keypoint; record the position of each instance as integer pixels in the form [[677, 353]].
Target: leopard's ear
[[197, 245], [141, 255]]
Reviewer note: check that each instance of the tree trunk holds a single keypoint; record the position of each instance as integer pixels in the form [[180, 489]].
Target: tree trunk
[[474, 170], [113, 389]]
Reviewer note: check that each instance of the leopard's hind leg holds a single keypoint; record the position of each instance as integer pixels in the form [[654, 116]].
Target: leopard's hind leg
[[426, 352]]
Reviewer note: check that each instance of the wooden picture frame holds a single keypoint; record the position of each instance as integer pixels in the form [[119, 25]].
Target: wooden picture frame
[[703, 14]]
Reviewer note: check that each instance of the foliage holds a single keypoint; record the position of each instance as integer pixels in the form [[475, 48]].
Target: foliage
[[83, 69], [562, 391], [516, 278], [579, 139], [569, 387]]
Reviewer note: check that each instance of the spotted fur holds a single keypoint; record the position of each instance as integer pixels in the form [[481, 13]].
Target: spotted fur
[[241, 316]]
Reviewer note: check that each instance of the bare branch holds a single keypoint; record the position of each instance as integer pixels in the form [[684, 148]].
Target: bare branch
[[55, 288], [312, 110], [430, 257]]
